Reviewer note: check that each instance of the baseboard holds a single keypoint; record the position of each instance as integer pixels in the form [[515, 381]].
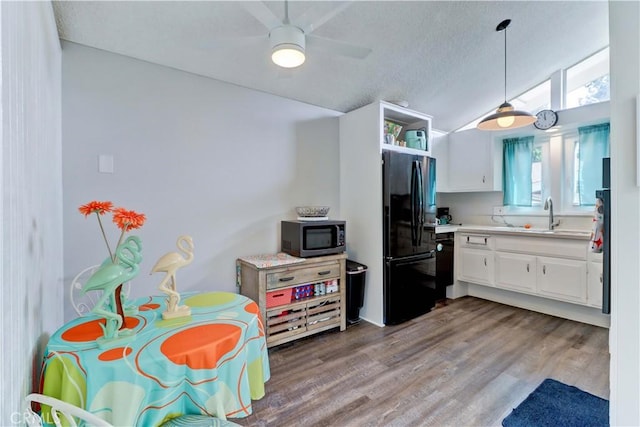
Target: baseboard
[[576, 312]]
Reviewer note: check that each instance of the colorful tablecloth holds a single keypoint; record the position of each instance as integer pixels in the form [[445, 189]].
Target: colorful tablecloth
[[213, 362]]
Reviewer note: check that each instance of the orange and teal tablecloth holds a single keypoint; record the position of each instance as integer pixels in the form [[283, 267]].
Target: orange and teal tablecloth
[[213, 362]]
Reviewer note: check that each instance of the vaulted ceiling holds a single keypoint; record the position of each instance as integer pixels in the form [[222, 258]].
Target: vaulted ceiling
[[443, 57]]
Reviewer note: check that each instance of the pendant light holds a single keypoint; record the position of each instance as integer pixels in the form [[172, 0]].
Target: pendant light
[[506, 117]]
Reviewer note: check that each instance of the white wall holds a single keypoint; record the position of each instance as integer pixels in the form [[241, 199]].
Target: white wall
[[30, 208], [197, 156], [624, 35]]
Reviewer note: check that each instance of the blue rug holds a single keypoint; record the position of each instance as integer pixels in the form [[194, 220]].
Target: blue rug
[[556, 404]]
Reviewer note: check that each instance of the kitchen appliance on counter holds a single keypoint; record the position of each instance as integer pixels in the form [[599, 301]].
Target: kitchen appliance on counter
[[416, 138], [312, 238], [409, 284], [443, 216], [605, 196]]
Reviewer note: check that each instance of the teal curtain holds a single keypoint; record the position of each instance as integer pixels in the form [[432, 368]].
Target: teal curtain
[[516, 174], [431, 195], [593, 145]]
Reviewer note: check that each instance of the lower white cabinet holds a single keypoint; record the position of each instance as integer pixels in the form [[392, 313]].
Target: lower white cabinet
[[477, 266], [564, 279], [516, 271], [476, 261], [594, 280], [544, 266]]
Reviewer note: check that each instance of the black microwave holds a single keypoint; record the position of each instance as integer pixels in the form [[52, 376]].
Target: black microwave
[[312, 238]]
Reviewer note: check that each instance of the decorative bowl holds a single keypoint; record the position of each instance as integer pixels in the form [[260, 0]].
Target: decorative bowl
[[312, 211]]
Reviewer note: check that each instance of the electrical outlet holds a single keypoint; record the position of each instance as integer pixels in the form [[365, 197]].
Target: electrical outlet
[[498, 210]]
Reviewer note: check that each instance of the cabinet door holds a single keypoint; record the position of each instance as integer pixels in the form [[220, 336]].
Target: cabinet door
[[473, 162], [476, 266], [516, 271], [594, 284], [564, 279]]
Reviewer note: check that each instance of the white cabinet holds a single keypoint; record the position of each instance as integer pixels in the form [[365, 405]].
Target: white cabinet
[[439, 151], [361, 145], [516, 272], [594, 280], [476, 262], [545, 266], [476, 266], [564, 279], [474, 161]]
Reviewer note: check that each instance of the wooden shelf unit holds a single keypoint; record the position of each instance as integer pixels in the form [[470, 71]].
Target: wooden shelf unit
[[305, 316]]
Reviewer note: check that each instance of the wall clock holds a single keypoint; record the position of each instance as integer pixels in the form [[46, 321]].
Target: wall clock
[[546, 119]]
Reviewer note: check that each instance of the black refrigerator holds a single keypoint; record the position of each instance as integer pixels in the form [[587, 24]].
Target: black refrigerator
[[605, 196], [409, 200]]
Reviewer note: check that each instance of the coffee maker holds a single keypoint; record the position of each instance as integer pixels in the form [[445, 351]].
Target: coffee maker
[[443, 215]]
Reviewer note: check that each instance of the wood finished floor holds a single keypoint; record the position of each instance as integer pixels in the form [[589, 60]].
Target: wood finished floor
[[468, 363]]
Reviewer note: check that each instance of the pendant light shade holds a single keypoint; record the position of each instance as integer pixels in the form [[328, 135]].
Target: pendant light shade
[[506, 117]]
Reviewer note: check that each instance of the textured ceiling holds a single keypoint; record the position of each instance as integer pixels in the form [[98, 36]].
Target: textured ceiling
[[444, 58]]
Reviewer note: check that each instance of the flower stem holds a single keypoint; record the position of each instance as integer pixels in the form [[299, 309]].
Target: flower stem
[[124, 230], [104, 236]]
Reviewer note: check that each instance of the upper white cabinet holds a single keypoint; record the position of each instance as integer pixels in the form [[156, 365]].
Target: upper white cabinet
[[361, 144], [474, 162], [440, 151]]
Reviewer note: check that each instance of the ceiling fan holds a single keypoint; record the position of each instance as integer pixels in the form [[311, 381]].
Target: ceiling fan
[[289, 40]]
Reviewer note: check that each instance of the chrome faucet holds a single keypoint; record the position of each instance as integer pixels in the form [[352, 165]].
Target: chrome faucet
[[548, 205]]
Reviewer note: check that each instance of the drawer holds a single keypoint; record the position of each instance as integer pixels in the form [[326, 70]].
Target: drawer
[[476, 241], [552, 247], [303, 275], [322, 314]]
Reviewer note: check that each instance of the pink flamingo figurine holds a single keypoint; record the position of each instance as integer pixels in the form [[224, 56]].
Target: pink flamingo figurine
[[169, 263]]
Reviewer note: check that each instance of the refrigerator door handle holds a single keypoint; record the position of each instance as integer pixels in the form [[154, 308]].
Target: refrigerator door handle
[[414, 234], [421, 202]]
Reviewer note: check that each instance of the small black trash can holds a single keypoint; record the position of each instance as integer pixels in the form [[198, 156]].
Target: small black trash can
[[356, 274]]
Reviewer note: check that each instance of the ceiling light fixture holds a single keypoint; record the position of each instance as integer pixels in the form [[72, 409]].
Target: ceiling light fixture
[[506, 117], [287, 46], [287, 43]]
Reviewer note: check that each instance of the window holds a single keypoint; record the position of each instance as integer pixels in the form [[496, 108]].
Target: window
[[534, 100], [567, 167], [536, 175], [524, 173], [588, 81], [590, 147]]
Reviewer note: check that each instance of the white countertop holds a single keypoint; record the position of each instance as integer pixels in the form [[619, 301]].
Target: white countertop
[[516, 231]]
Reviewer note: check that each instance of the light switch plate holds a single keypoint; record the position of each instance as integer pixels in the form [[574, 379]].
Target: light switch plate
[[105, 163], [498, 210]]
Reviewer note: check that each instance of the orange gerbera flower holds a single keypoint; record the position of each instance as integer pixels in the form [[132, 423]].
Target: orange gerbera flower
[[125, 220], [99, 208], [128, 220]]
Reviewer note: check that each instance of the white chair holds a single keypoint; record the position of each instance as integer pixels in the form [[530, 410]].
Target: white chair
[[58, 408], [84, 303]]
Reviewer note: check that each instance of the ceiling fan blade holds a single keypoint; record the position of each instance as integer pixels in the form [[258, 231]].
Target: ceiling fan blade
[[262, 13], [232, 42], [307, 22], [338, 47]]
